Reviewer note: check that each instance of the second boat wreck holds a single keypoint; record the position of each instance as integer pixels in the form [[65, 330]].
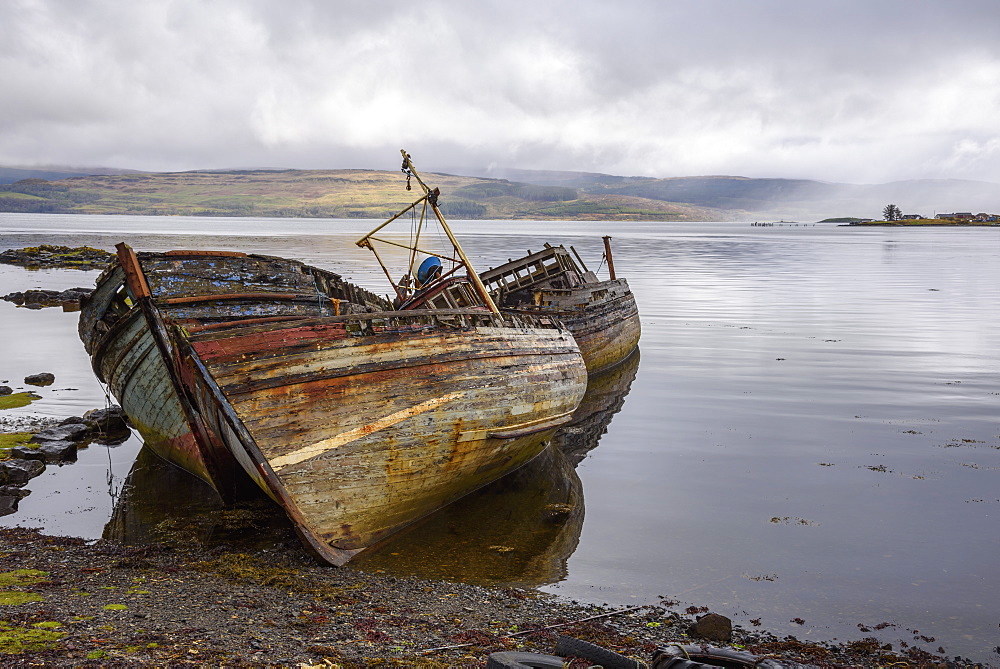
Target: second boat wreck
[[602, 315], [357, 418]]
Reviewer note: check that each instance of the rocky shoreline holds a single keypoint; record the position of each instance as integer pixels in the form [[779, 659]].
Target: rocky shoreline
[[67, 603], [28, 445]]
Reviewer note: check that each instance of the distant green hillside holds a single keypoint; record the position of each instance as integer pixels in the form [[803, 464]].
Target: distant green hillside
[[331, 194], [517, 194]]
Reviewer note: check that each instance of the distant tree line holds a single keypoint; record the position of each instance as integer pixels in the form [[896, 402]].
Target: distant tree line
[[460, 208]]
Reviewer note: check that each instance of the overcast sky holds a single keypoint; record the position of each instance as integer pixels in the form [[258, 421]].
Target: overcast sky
[[859, 91]]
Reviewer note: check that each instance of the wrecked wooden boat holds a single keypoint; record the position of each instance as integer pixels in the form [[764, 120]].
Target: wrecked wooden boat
[[521, 529], [357, 418], [602, 315]]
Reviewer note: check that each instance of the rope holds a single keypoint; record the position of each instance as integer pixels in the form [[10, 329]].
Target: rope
[[110, 477]]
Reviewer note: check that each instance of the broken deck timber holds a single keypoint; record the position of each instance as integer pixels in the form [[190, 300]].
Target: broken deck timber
[[602, 315], [357, 419]]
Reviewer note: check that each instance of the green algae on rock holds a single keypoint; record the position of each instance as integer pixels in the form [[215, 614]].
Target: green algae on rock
[[49, 255], [20, 577], [18, 597], [18, 400], [12, 439], [40, 636], [17, 579]]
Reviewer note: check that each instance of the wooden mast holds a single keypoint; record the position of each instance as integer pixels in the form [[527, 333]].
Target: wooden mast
[[430, 197]]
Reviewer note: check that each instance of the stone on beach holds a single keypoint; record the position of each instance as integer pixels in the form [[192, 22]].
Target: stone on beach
[[713, 627], [19, 472], [69, 432], [108, 426], [50, 255], [9, 497], [38, 298], [50, 452], [43, 379], [110, 419]]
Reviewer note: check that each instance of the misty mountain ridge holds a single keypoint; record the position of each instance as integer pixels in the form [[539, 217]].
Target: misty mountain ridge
[[9, 175], [777, 197], [488, 192]]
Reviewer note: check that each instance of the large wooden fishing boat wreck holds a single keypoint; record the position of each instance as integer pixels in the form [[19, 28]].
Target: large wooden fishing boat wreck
[[358, 418], [602, 315]]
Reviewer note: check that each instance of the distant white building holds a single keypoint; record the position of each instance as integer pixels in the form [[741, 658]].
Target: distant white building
[[969, 216]]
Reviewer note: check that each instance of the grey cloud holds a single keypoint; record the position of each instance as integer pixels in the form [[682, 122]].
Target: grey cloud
[[845, 91]]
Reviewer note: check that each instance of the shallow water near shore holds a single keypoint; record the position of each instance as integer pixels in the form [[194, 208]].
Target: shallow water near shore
[[810, 432]]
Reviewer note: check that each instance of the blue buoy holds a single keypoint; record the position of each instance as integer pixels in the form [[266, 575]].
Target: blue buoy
[[429, 268]]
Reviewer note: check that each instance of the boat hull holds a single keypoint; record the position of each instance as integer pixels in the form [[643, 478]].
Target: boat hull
[[359, 436], [125, 356], [140, 380], [356, 424], [602, 317]]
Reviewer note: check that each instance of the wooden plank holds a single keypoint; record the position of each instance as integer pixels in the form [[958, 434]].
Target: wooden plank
[[134, 278], [275, 341], [218, 297], [243, 322]]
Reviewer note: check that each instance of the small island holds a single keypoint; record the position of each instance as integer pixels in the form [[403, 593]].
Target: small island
[[892, 215]]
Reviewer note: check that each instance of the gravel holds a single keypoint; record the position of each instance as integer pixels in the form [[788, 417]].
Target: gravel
[[114, 605]]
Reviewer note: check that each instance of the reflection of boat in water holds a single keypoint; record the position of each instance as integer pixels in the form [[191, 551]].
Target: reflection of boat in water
[[521, 529], [604, 398], [356, 418], [602, 315], [160, 503]]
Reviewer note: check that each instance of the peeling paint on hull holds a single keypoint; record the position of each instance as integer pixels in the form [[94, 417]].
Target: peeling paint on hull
[[138, 377], [603, 318], [358, 422], [405, 435]]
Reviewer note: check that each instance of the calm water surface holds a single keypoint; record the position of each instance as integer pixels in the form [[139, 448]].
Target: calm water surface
[[811, 431]]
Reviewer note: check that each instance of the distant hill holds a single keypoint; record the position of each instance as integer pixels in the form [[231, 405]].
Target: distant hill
[[329, 194], [549, 177], [483, 194], [9, 175], [780, 198]]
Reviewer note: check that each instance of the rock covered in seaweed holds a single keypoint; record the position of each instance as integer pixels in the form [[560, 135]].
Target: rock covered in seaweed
[[50, 255]]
